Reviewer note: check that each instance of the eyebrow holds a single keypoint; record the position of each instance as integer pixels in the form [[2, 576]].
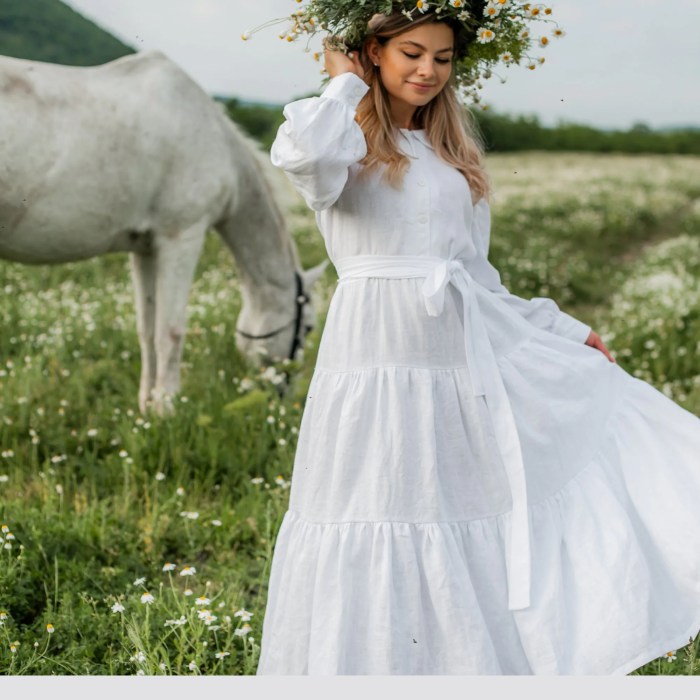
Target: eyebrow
[[415, 43]]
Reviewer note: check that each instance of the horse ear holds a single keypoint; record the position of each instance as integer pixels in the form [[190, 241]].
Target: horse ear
[[313, 274]]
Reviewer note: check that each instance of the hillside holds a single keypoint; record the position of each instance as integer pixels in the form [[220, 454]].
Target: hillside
[[48, 30]]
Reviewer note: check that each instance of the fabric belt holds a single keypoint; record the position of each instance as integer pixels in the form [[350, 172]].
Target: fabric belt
[[486, 381]]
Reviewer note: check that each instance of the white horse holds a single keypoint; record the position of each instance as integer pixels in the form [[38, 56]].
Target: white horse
[[134, 156]]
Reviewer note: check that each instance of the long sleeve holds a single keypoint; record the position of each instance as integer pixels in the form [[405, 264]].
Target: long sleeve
[[320, 139], [540, 311]]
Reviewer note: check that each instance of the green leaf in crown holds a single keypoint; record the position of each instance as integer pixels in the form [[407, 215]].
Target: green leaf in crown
[[496, 33]]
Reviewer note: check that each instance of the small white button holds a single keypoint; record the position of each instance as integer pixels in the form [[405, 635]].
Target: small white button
[[422, 219], [421, 183]]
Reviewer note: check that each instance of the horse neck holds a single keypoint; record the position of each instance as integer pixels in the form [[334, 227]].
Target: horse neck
[[257, 234]]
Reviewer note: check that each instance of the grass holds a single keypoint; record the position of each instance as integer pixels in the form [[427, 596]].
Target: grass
[[97, 497]]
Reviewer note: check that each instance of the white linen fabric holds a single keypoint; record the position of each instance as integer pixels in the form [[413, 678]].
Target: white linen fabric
[[475, 490]]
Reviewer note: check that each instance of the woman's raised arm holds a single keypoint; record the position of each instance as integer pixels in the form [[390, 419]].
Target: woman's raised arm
[[320, 139]]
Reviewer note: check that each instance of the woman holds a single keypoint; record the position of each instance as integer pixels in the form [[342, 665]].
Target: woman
[[478, 487]]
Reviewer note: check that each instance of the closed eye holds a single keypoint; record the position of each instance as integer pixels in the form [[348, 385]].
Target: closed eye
[[415, 55]]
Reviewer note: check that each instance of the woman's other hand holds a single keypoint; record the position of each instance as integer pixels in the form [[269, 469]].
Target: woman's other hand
[[595, 341]]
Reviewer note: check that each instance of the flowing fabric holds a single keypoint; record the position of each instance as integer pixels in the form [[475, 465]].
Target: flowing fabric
[[475, 490]]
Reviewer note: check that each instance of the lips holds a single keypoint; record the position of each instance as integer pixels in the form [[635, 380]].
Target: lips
[[421, 85]]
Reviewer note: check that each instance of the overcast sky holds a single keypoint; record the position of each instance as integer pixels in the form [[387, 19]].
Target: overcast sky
[[620, 62]]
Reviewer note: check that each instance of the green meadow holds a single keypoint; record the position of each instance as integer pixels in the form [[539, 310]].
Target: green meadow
[[133, 544]]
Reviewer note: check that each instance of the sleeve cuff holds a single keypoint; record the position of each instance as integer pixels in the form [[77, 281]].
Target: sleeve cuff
[[571, 327], [347, 87]]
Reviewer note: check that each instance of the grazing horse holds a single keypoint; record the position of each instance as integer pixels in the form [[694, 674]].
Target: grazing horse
[[134, 156]]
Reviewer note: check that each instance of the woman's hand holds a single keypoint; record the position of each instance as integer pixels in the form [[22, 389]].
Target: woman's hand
[[337, 62], [595, 341]]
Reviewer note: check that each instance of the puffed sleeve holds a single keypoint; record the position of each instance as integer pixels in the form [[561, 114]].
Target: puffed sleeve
[[540, 311], [320, 139]]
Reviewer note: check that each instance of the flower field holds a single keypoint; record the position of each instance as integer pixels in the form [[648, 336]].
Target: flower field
[[137, 545]]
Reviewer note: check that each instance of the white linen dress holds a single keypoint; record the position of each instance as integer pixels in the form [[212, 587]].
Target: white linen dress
[[475, 490]]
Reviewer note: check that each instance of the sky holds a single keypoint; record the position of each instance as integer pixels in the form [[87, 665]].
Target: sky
[[620, 62]]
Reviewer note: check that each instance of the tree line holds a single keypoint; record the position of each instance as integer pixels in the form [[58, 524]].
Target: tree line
[[507, 133]]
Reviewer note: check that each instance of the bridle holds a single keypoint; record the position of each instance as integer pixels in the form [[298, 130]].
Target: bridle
[[301, 299]]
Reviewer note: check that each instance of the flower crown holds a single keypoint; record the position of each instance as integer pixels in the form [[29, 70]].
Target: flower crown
[[496, 31]]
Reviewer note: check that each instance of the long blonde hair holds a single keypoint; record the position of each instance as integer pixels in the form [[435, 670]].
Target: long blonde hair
[[450, 127]]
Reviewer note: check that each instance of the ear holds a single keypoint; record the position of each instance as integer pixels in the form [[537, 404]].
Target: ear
[[372, 48]]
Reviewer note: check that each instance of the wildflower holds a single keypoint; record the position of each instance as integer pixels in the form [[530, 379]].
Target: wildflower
[[118, 608], [180, 491], [4, 478], [257, 480], [558, 33], [13, 648], [59, 489], [187, 591], [485, 35], [138, 657], [168, 566], [147, 598], [162, 666], [192, 666], [507, 58], [243, 614], [544, 41], [140, 581], [188, 571], [222, 654], [9, 536], [123, 453], [422, 6], [216, 523], [491, 10], [160, 476], [140, 672], [208, 619], [3, 615], [5, 529], [242, 631], [202, 600], [671, 655], [50, 628], [190, 515], [176, 623], [92, 432]]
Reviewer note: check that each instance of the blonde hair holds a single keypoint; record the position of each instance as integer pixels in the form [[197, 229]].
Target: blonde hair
[[450, 126]]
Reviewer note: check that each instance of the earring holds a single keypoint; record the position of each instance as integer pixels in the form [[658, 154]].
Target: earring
[[376, 65]]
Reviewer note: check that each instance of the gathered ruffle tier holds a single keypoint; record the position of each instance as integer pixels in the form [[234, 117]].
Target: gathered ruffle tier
[[364, 581]]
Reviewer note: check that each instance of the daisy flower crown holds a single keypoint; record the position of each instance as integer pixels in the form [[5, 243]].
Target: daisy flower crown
[[490, 34]]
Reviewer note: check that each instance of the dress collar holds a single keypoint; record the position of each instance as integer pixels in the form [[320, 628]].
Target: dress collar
[[419, 134]]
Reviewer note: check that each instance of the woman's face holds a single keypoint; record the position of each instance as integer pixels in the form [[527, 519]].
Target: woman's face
[[416, 64]]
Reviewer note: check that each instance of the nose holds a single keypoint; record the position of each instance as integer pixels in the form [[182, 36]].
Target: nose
[[426, 68]]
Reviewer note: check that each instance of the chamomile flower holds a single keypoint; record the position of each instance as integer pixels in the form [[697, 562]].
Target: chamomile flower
[[118, 608], [671, 655], [492, 10], [140, 581], [147, 598], [168, 566], [242, 631], [422, 5], [222, 654], [485, 35], [558, 33], [188, 571], [50, 628]]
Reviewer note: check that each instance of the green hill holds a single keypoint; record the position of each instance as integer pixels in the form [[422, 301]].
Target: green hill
[[48, 30]]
